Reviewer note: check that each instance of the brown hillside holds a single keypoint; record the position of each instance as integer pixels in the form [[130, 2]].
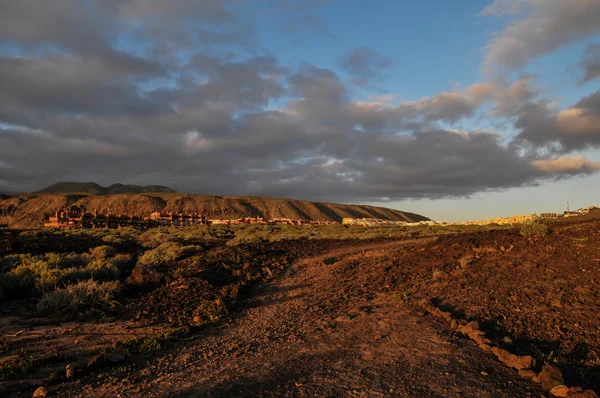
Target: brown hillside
[[27, 211]]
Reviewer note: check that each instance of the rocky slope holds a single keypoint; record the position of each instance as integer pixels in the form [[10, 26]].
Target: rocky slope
[[27, 211]]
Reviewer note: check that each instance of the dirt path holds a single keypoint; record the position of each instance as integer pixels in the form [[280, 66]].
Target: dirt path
[[316, 331]]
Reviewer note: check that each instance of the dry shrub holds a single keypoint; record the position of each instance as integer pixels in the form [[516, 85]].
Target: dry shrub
[[81, 296], [534, 229]]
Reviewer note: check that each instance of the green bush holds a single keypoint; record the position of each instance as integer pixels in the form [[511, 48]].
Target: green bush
[[163, 254], [112, 240], [9, 262], [534, 229], [154, 237], [103, 252], [36, 274], [81, 296], [102, 270]]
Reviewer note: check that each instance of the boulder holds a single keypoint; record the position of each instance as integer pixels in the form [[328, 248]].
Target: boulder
[[550, 377], [144, 276]]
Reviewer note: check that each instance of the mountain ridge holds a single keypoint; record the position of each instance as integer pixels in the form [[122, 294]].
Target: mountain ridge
[[96, 189], [28, 211]]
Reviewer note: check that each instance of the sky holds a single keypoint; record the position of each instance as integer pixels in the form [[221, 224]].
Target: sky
[[455, 110]]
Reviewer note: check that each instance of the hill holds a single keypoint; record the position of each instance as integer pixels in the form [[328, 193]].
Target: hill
[[95, 189], [27, 211]]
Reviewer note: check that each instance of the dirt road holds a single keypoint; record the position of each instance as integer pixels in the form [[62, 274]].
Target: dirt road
[[319, 330]]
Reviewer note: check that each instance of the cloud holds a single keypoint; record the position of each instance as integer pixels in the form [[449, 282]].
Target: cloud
[[590, 63], [365, 64], [141, 92], [75, 84], [542, 27], [572, 164], [577, 127]]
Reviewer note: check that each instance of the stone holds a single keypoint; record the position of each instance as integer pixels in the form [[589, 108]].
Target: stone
[[95, 361], [560, 391], [353, 312], [70, 371], [550, 377], [528, 373], [115, 357], [583, 394], [480, 339], [186, 357], [469, 327], [40, 392], [514, 361], [145, 276]]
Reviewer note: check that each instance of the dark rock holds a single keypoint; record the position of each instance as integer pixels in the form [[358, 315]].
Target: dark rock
[[114, 358], [144, 276], [96, 361]]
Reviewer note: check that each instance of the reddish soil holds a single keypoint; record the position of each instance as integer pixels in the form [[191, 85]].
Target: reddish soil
[[319, 330], [339, 318], [542, 294]]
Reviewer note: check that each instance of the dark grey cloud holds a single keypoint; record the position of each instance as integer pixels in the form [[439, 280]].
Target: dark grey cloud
[[188, 100], [64, 83], [590, 63], [365, 64], [577, 127]]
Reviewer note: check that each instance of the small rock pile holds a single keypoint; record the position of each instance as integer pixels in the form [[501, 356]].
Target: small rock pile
[[550, 377]]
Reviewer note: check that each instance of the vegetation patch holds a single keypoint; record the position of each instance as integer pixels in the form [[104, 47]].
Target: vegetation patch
[[534, 229], [26, 364], [82, 296]]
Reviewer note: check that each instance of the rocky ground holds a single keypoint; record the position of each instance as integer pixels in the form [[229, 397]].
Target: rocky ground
[[364, 319], [313, 333]]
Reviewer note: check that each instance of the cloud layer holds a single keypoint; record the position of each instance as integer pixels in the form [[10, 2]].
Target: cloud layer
[[543, 26], [140, 92]]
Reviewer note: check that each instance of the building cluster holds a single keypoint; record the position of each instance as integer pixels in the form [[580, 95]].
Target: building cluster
[[378, 222], [78, 217], [177, 219]]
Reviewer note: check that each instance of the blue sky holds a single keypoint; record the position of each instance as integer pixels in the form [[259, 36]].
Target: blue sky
[[456, 110]]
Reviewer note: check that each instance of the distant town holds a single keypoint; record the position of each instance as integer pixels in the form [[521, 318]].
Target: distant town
[[78, 217]]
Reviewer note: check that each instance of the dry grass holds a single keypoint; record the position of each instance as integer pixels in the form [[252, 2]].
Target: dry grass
[[81, 296]]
